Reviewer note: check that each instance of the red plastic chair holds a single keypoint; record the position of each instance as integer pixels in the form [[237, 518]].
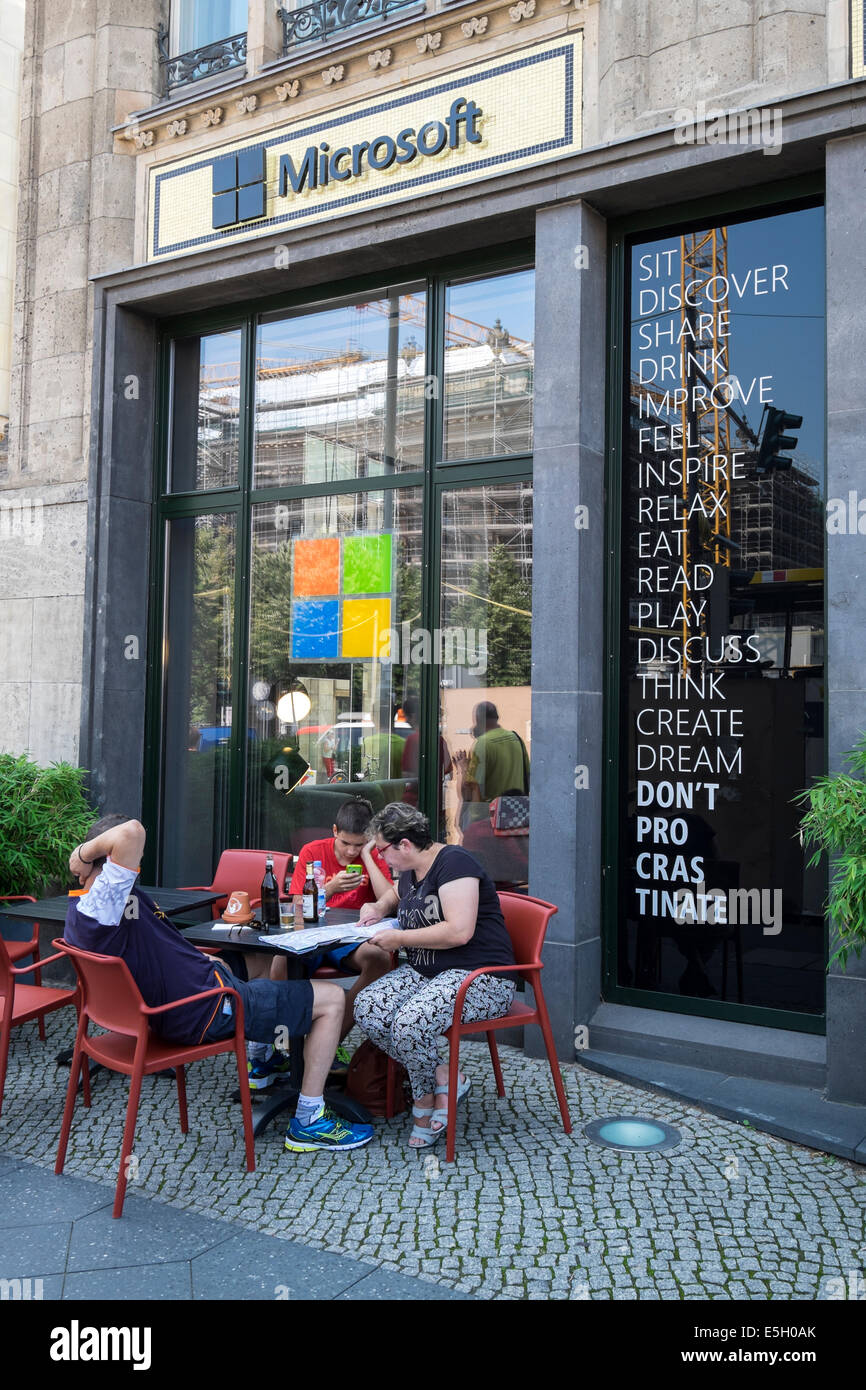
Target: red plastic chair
[[111, 999], [242, 870], [526, 920], [19, 950], [21, 1003]]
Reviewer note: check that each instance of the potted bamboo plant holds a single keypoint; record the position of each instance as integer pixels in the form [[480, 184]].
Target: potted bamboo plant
[[835, 824]]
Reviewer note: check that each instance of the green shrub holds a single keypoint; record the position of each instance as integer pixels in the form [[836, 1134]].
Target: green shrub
[[835, 823], [44, 814]]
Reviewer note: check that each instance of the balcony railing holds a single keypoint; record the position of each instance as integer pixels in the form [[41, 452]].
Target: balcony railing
[[319, 21], [212, 58]]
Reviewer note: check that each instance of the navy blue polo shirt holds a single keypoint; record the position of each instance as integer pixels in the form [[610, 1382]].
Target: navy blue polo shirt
[[113, 918]]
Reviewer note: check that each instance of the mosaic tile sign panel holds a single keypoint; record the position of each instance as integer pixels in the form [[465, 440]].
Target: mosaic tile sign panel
[[341, 598], [511, 112]]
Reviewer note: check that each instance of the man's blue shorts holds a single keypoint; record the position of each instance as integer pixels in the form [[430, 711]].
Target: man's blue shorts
[[268, 1005], [336, 957]]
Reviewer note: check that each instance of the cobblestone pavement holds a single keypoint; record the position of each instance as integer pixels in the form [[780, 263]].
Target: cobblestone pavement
[[525, 1212]]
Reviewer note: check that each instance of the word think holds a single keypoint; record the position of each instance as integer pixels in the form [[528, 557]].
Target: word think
[[756, 126]]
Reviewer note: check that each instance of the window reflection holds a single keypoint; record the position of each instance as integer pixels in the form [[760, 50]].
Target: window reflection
[[489, 359], [341, 393], [198, 694], [485, 675], [205, 412], [336, 587]]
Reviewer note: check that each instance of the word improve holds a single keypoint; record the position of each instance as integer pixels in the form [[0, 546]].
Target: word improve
[[321, 165]]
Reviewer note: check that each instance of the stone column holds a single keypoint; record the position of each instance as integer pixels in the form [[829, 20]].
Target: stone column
[[567, 607], [846, 560]]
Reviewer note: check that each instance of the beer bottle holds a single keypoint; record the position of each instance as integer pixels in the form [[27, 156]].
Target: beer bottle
[[270, 897], [311, 899]]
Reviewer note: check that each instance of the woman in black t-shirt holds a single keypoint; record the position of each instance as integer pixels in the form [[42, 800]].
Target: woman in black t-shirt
[[450, 923]]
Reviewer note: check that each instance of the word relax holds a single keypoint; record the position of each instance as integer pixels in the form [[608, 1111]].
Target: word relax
[[321, 165]]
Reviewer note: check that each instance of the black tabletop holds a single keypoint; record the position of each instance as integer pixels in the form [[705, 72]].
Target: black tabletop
[[171, 900], [247, 938]]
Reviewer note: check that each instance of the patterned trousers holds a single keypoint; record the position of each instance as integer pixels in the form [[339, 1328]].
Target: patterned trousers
[[404, 1014]]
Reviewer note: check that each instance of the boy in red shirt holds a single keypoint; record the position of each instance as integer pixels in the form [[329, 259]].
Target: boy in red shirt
[[350, 845]]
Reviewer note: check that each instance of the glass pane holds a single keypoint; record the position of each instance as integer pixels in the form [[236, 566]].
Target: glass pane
[[340, 393], [723, 614], [489, 359], [205, 406], [485, 675], [199, 22], [336, 598], [197, 696]]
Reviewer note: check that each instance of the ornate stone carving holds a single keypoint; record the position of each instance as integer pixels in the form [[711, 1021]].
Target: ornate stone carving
[[428, 43], [524, 9], [475, 25], [326, 17], [175, 128], [246, 105], [381, 58], [333, 74], [142, 139], [287, 91], [212, 117]]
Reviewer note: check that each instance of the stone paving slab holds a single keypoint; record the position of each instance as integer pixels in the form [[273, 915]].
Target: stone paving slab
[[525, 1212]]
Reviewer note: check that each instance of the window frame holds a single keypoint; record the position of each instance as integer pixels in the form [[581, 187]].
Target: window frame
[[786, 196], [241, 499]]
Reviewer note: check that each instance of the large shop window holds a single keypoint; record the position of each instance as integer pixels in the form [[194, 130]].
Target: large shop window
[[347, 563], [722, 680], [333, 581], [485, 694]]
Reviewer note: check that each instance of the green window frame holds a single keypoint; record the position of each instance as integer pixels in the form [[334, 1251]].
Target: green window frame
[[239, 500], [786, 196]]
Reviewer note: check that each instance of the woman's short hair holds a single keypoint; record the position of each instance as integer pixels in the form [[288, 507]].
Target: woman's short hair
[[399, 821]]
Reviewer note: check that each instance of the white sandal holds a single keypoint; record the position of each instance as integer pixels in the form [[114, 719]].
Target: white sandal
[[441, 1112], [425, 1133]]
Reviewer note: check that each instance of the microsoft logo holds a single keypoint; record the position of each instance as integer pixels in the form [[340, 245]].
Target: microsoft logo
[[239, 187]]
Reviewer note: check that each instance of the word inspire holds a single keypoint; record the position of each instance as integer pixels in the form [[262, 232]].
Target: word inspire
[[21, 517], [321, 165], [756, 126], [77, 1343], [450, 646]]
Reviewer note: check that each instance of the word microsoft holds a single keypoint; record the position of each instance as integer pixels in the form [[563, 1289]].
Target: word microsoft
[[321, 165]]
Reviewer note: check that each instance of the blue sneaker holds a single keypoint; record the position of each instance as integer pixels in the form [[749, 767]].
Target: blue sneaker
[[327, 1132], [261, 1073]]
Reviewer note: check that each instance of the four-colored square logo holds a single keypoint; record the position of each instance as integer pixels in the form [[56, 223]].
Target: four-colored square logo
[[341, 597]]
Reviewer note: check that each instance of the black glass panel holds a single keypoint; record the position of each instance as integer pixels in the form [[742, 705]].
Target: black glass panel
[[722, 618]]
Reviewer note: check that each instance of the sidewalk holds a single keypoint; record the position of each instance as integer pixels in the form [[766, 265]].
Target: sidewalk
[[526, 1212], [62, 1233]]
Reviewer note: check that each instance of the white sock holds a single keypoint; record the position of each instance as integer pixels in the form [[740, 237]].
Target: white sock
[[309, 1109], [259, 1051]]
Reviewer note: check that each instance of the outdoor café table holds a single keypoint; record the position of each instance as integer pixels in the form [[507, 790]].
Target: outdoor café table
[[170, 900], [283, 1093]]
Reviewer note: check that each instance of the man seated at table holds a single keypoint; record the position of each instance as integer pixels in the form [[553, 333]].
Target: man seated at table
[[112, 917], [349, 845]]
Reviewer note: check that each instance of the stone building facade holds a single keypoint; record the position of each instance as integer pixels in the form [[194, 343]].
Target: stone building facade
[[111, 112]]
